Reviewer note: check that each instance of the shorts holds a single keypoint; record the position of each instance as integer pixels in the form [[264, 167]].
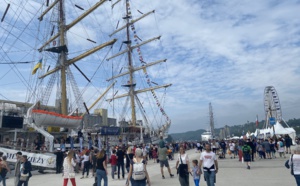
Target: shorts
[[164, 162], [268, 151]]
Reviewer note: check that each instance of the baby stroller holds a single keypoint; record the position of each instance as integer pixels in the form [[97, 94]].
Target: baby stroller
[[221, 154]]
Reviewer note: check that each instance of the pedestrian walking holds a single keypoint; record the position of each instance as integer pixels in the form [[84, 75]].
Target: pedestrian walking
[[120, 163], [209, 162], [294, 163], [246, 149], [69, 169], [113, 163], [196, 172], [4, 170], [25, 170], [162, 156], [17, 167], [101, 168], [182, 166], [138, 175], [86, 164]]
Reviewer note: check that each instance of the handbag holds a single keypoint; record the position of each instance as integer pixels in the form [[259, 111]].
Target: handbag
[[287, 164], [182, 169], [24, 177]]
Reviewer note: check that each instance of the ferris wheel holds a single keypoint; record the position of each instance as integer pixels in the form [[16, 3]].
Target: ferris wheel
[[272, 104]]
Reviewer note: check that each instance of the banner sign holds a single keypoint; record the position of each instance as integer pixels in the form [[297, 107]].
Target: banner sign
[[41, 160], [272, 121], [110, 130]]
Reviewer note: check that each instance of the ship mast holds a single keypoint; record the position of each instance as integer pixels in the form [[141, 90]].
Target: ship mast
[[211, 121], [62, 49], [63, 58], [131, 84], [130, 67]]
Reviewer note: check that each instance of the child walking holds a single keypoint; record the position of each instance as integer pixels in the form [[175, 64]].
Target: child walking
[[113, 164], [196, 172]]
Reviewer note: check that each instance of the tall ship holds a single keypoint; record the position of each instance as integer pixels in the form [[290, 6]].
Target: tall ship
[[85, 60], [137, 90], [210, 133]]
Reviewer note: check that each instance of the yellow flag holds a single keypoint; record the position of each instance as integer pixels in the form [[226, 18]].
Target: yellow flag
[[37, 66]]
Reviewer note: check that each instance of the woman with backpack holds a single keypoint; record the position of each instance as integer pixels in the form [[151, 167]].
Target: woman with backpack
[[137, 172], [280, 145]]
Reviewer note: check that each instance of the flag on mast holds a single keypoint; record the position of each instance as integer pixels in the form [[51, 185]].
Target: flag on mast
[[37, 66], [256, 122]]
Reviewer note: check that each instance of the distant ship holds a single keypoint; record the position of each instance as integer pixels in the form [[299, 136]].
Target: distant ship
[[206, 136]]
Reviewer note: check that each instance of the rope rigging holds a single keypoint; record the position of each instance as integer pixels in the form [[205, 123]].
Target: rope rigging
[[136, 40]]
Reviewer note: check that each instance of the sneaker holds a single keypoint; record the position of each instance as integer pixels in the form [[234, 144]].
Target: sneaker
[[82, 177], [86, 176], [163, 177], [248, 167], [171, 175]]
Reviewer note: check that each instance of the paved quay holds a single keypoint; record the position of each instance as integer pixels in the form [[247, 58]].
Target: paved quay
[[231, 172]]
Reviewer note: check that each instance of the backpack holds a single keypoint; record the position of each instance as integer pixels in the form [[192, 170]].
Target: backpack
[[246, 149], [138, 172], [281, 144]]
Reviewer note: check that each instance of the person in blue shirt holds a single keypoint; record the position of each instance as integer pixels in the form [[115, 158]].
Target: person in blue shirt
[[196, 172]]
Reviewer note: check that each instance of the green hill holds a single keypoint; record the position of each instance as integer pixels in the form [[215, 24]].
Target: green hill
[[190, 135]]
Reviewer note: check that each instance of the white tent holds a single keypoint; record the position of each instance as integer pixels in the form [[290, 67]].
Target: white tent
[[279, 130]]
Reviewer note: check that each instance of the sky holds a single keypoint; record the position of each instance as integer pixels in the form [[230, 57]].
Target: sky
[[219, 52]]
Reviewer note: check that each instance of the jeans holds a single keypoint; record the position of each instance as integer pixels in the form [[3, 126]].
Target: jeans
[[113, 170], [3, 179], [197, 182], [137, 182], [297, 177], [121, 165], [86, 168], [210, 178], [101, 174]]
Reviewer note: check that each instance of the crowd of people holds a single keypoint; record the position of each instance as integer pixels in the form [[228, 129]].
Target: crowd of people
[[88, 158], [129, 162], [22, 169]]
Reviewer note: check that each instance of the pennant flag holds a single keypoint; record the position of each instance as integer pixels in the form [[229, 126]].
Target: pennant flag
[[37, 66], [256, 122]]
